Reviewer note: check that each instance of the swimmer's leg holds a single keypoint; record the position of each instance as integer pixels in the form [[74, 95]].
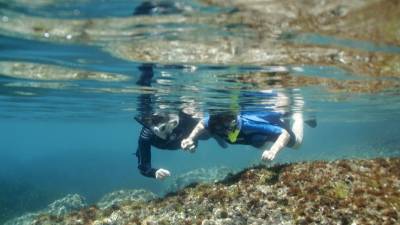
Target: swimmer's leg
[[297, 129], [297, 117]]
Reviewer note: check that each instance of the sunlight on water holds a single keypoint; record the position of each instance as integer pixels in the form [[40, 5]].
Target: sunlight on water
[[74, 74]]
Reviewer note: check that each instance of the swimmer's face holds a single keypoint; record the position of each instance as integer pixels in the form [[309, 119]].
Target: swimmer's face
[[222, 124], [164, 129], [226, 127]]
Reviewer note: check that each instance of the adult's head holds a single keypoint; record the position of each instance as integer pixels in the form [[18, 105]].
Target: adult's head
[[162, 124]]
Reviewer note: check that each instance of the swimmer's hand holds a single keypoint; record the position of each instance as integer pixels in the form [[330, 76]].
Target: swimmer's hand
[[280, 143], [188, 145], [268, 155], [162, 173]]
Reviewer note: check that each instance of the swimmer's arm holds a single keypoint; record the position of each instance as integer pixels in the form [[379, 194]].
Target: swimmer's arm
[[198, 129], [143, 154], [279, 144], [188, 143]]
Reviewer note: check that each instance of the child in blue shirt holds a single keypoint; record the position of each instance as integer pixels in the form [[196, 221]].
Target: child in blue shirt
[[257, 129]]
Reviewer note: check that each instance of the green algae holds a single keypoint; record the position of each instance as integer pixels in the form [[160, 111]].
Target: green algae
[[340, 190]]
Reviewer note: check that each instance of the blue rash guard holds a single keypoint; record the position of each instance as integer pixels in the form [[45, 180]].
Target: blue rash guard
[[147, 139], [257, 128]]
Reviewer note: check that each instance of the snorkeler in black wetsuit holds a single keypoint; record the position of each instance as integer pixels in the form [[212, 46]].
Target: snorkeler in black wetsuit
[[162, 130]]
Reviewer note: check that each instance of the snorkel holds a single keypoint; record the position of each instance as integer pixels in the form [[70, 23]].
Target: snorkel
[[233, 135], [225, 125]]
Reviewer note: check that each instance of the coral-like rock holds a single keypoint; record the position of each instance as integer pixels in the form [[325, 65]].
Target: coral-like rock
[[60, 207], [114, 198], [200, 175], [338, 192], [67, 204]]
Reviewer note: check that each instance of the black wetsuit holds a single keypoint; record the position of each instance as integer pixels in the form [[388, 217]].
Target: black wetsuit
[[147, 139]]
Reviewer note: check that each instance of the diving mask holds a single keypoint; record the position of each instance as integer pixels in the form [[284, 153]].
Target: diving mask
[[230, 130], [164, 129]]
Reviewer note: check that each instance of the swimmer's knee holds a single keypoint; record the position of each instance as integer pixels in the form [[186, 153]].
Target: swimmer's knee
[[297, 144]]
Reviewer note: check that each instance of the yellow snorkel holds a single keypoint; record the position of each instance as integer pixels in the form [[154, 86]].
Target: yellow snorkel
[[232, 135], [234, 107]]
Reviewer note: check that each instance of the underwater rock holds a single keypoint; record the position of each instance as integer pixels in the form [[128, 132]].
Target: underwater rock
[[60, 207], [337, 192], [114, 198], [200, 175], [67, 204], [26, 219]]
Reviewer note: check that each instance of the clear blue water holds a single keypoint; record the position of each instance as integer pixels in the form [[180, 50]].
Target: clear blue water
[[61, 136]]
